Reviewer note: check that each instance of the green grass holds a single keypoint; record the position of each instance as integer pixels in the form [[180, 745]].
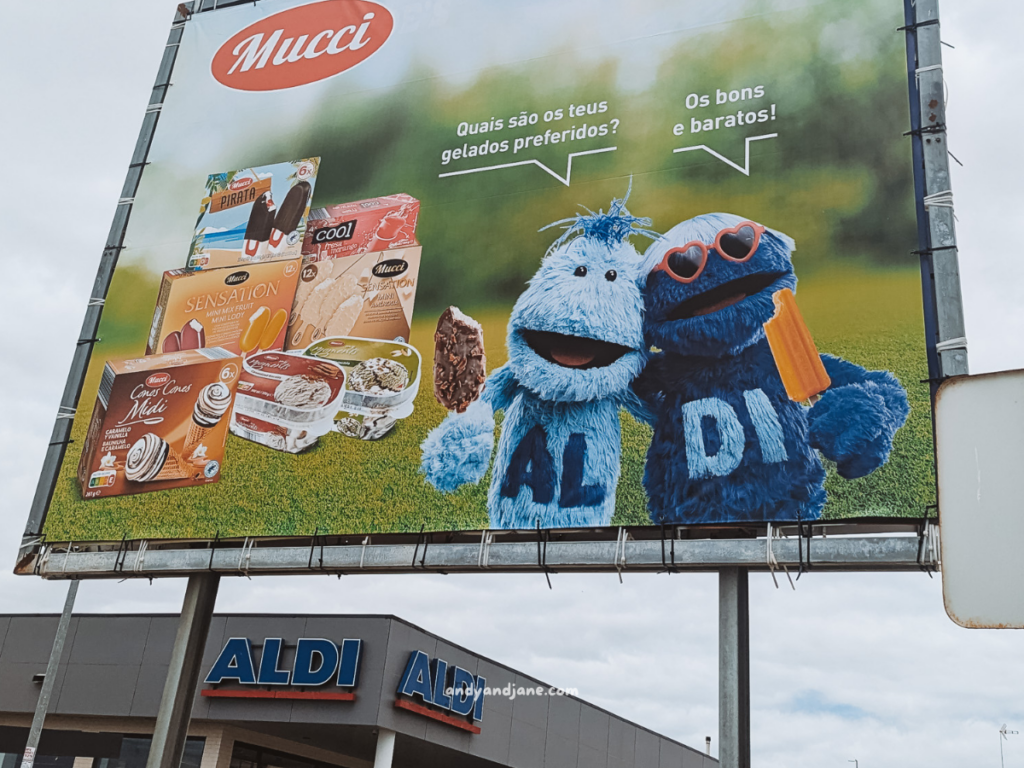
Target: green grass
[[347, 486]]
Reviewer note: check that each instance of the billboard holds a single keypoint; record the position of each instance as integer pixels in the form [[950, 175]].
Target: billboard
[[390, 270]]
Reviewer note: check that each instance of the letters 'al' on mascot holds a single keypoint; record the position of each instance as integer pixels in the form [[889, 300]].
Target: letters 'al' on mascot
[[729, 445], [575, 342]]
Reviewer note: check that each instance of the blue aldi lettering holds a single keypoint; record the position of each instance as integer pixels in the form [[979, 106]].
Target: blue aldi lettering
[[317, 662], [719, 421], [532, 465], [437, 684]]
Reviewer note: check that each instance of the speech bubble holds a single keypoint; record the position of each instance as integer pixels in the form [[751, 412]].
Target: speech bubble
[[745, 168], [538, 163]]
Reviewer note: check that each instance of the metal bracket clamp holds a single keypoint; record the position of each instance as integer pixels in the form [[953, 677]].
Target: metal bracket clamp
[[140, 558], [542, 552], [484, 556], [670, 565], [620, 552], [245, 556], [362, 553], [770, 558], [312, 547]]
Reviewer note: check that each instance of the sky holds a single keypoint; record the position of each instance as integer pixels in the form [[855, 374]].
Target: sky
[[862, 667]]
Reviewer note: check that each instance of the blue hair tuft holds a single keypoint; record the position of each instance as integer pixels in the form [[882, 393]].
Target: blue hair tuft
[[612, 228]]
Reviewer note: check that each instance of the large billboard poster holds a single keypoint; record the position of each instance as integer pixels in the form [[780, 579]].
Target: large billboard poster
[[459, 265]]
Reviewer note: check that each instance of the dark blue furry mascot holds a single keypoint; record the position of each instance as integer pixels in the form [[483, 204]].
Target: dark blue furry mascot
[[729, 445], [575, 342]]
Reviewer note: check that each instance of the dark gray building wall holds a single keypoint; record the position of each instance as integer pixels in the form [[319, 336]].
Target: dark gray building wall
[[116, 666]]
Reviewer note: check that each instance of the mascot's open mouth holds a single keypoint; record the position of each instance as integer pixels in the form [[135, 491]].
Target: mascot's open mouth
[[573, 351], [722, 296]]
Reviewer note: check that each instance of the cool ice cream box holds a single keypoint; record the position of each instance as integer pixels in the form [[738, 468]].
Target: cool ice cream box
[[159, 422], [370, 295], [382, 379], [378, 224], [243, 309], [253, 214]]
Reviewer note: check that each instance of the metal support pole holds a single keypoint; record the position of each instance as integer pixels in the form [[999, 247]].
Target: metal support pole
[[932, 141], [34, 734], [183, 674], [733, 669], [385, 749]]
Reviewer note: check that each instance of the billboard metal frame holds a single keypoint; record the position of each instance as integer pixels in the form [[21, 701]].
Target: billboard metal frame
[[873, 544]]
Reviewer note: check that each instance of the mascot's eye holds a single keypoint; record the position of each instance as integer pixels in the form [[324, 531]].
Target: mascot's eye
[[738, 245], [580, 272], [610, 275]]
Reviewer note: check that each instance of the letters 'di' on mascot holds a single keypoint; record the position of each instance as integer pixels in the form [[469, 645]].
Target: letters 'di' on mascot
[[575, 342], [729, 443]]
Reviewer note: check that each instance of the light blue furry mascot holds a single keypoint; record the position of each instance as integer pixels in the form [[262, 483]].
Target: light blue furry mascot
[[729, 445], [575, 342]]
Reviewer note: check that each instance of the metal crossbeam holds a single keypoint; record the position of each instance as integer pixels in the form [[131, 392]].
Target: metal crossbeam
[[880, 552]]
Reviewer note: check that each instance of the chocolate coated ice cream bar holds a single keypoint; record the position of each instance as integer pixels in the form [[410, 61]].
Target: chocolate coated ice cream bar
[[261, 222], [459, 360], [292, 210]]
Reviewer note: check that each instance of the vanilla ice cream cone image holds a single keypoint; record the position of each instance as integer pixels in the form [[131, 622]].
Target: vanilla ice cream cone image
[[211, 405], [261, 222], [292, 210], [151, 459]]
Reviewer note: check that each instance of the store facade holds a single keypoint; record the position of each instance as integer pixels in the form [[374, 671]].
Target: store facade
[[288, 691]]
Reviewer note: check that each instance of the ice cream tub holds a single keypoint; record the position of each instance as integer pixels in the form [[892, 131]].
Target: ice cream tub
[[381, 382], [287, 401]]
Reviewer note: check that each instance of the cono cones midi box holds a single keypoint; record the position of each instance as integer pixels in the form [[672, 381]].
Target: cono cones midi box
[[240, 309], [370, 296], [159, 422]]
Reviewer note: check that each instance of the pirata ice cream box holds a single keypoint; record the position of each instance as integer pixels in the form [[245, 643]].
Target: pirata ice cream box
[[370, 296], [159, 422], [242, 310], [253, 214], [378, 224]]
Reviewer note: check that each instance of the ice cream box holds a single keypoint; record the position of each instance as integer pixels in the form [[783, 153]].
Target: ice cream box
[[379, 224], [253, 214], [381, 382], [241, 309], [159, 422], [286, 401], [366, 296]]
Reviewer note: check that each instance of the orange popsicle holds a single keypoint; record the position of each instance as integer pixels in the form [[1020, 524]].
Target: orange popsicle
[[796, 357]]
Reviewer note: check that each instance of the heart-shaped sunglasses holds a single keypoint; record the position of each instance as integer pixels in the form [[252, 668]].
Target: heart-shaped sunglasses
[[733, 244]]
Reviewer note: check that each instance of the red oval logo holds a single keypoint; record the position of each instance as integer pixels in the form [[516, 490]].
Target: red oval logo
[[158, 379], [302, 45], [238, 184]]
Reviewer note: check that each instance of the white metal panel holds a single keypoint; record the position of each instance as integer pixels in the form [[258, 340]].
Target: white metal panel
[[979, 430]]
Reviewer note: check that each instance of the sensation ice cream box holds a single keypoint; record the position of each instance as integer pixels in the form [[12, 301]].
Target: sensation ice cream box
[[159, 422], [369, 296], [379, 224], [254, 214], [240, 309]]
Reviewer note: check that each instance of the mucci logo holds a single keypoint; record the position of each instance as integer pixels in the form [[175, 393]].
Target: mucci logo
[[390, 268], [318, 663], [236, 278], [302, 45], [442, 689], [158, 379]]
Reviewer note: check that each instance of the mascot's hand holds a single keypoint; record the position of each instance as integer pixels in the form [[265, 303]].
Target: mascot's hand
[[459, 450], [853, 425]]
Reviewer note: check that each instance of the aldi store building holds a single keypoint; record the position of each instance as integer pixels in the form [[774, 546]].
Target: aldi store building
[[304, 692]]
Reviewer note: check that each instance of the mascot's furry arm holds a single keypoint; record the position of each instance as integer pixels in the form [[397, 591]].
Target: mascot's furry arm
[[458, 452], [854, 422]]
